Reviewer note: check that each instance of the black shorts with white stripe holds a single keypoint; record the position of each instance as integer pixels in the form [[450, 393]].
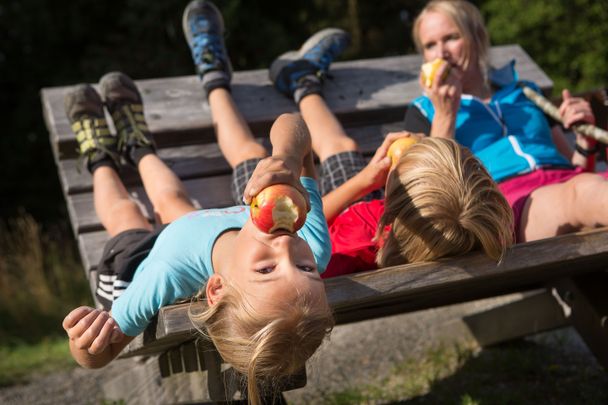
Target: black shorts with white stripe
[[121, 256]]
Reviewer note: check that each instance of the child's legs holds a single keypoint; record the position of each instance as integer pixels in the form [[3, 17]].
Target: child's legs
[[116, 211], [565, 207], [165, 190], [233, 135], [235, 140], [328, 136], [338, 153]]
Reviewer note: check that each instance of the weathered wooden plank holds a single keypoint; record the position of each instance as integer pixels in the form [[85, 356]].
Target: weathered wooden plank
[[534, 313], [207, 192], [186, 161], [426, 285], [204, 160], [190, 357], [175, 360], [362, 91], [90, 246]]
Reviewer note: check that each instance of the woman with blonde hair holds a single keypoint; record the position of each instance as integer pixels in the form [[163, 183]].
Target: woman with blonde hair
[[546, 182]]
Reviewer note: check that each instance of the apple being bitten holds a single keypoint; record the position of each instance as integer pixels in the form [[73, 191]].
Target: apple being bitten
[[399, 147], [430, 69], [279, 206]]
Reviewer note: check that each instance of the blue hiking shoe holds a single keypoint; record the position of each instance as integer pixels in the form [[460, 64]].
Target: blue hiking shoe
[[204, 30], [96, 145], [125, 104], [299, 73]]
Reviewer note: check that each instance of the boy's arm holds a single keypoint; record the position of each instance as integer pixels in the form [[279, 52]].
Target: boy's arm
[[95, 338], [352, 190], [308, 167], [371, 178], [290, 146]]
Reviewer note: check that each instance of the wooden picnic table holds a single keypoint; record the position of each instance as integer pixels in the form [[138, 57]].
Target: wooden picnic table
[[370, 98]]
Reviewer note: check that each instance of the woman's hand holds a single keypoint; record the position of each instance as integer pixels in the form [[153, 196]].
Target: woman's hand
[[275, 170], [376, 171], [91, 329], [575, 110], [445, 95]]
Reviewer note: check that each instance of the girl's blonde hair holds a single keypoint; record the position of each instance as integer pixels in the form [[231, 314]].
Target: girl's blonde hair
[[440, 201], [265, 347], [470, 23]]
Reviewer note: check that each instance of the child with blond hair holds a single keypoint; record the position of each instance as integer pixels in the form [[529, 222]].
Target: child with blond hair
[[439, 200], [266, 306]]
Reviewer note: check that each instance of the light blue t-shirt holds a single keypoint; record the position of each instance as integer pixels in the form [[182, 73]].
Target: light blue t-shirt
[[179, 263]]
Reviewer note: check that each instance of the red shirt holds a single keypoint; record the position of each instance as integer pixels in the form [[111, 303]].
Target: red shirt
[[351, 236]]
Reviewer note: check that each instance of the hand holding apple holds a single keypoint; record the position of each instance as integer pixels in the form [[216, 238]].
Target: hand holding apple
[[279, 206], [399, 147]]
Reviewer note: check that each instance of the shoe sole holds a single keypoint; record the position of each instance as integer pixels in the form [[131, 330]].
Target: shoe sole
[[106, 85], [83, 99], [186, 28], [310, 43], [318, 37], [195, 4]]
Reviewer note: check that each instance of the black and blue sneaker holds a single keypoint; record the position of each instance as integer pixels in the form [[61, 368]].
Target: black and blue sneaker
[[204, 30], [299, 73]]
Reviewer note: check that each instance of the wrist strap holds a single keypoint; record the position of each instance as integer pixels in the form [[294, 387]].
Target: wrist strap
[[587, 152]]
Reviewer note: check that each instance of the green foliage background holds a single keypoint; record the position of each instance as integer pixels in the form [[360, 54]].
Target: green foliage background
[[49, 43]]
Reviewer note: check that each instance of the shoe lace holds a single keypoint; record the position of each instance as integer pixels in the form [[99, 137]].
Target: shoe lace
[[93, 135], [131, 126], [206, 46]]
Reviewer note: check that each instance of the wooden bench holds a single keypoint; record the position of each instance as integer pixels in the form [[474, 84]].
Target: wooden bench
[[370, 98]]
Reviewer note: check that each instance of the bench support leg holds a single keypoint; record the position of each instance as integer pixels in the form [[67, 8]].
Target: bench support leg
[[585, 301], [534, 313]]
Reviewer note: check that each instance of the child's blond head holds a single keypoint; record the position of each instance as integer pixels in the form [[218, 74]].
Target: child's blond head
[[440, 201], [265, 346]]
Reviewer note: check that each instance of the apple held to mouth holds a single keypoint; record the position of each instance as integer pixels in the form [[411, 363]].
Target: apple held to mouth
[[399, 147], [430, 69], [279, 206]]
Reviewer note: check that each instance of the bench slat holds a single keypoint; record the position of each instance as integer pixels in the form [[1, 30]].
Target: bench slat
[[204, 160], [205, 192], [363, 91], [426, 285]]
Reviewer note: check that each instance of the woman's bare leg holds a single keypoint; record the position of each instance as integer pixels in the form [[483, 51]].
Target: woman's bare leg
[[581, 202], [233, 134], [165, 190], [116, 211], [328, 136]]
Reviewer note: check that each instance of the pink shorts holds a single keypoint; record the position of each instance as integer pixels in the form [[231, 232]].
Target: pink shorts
[[518, 189]]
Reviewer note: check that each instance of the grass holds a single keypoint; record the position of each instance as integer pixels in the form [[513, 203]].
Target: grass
[[522, 372], [19, 362], [41, 279]]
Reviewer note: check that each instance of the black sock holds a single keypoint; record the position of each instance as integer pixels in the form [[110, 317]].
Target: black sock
[[107, 161], [215, 79], [309, 84], [138, 152]]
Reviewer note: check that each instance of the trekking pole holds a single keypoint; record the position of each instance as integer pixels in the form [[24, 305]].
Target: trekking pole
[[548, 108]]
